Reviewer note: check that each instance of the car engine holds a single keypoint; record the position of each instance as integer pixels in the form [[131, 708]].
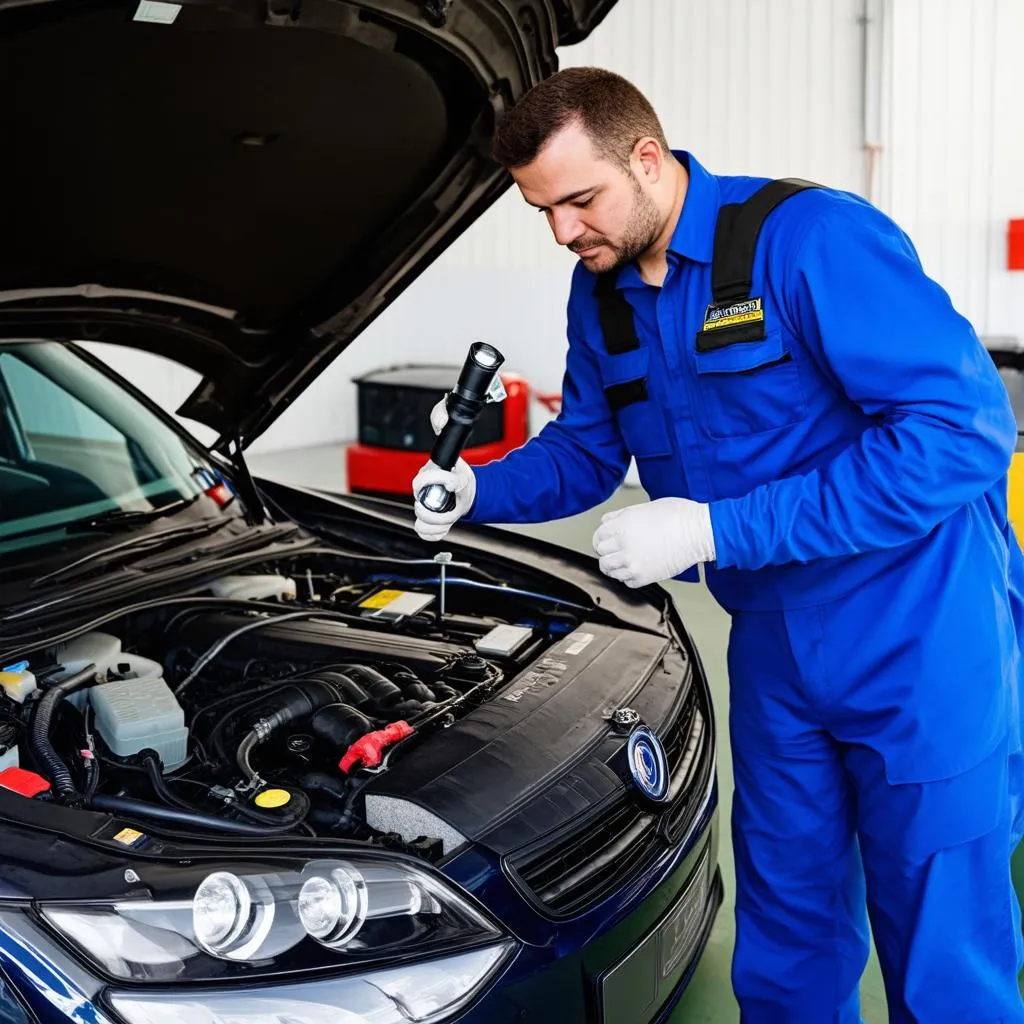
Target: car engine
[[265, 704]]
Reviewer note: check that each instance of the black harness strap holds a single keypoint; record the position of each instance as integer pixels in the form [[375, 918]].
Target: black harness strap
[[619, 331], [736, 233], [616, 316], [734, 315]]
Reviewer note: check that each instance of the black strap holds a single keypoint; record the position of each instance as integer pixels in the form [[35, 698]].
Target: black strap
[[626, 393], [616, 316], [736, 234]]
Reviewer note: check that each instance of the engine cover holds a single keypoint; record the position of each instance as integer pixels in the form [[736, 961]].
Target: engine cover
[[528, 759]]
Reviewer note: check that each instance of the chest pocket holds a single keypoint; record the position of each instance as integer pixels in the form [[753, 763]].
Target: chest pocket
[[641, 420], [747, 379], [749, 387]]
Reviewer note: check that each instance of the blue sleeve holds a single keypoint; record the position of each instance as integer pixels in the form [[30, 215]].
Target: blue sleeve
[[943, 431], [574, 463]]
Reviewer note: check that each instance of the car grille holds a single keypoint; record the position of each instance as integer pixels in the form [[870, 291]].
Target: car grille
[[582, 868]]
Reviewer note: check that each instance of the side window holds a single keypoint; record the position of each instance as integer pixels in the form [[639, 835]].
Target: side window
[[62, 433], [47, 410]]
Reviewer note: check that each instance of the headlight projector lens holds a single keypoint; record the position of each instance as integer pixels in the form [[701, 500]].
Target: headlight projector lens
[[228, 919], [332, 907], [220, 911]]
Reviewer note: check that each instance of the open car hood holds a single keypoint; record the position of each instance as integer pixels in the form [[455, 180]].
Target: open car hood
[[243, 185]]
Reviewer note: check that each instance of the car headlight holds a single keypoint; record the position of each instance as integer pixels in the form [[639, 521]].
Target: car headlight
[[422, 993], [232, 921]]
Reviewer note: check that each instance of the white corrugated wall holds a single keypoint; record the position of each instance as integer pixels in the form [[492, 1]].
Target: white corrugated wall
[[773, 87], [953, 157]]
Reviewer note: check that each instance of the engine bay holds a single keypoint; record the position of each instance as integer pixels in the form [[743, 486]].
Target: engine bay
[[266, 703]]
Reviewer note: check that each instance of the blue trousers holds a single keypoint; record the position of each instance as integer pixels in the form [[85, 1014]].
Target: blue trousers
[[878, 776]]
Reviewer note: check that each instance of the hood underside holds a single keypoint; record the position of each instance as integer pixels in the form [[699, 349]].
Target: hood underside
[[243, 186]]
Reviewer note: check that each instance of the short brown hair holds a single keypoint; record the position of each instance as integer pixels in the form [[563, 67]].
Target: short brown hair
[[612, 111]]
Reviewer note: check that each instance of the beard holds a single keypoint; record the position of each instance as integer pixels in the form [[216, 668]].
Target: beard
[[642, 228]]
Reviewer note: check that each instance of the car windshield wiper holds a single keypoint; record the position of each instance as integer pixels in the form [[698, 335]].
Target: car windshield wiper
[[116, 518], [130, 547]]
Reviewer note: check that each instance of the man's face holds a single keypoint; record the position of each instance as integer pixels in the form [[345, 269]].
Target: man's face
[[596, 208]]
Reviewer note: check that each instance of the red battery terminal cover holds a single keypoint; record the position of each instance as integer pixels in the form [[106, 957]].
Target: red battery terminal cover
[[24, 782]]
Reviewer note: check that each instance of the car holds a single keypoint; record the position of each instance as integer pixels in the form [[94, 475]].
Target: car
[[265, 755]]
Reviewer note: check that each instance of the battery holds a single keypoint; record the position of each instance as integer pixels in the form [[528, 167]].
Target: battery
[[503, 641], [394, 604]]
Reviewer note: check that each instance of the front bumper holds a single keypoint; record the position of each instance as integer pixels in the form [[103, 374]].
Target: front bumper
[[581, 971]]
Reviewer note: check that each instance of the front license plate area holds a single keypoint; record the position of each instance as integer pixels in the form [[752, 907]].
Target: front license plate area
[[639, 985]]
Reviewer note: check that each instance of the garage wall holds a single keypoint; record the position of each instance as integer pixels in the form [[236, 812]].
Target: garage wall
[[953, 156]]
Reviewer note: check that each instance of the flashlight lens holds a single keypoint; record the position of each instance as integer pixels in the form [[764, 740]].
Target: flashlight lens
[[485, 356]]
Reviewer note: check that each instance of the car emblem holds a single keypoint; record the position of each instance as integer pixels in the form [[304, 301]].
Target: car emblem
[[648, 764]]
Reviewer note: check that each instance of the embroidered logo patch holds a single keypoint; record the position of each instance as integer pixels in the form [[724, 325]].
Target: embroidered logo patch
[[732, 314]]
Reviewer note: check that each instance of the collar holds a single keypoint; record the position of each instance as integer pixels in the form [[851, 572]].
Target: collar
[[694, 234]]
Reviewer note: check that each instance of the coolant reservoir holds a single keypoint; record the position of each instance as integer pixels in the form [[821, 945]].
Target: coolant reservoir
[[17, 681], [269, 587], [99, 649]]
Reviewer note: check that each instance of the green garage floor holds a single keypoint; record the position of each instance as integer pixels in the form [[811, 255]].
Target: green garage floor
[[709, 998]]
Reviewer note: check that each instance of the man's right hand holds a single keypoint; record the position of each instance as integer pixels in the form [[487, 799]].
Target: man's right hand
[[461, 481], [435, 525]]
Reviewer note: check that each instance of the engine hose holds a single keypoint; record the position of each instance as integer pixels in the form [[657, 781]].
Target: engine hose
[[53, 766], [160, 787], [334, 820], [296, 814], [383, 692], [244, 755], [294, 700], [177, 816]]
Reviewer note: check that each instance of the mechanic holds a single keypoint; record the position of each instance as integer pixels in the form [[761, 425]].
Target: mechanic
[[816, 424]]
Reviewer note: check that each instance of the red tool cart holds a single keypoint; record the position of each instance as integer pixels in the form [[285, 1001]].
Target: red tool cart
[[394, 435]]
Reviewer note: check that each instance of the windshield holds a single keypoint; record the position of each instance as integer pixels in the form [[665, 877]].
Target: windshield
[[75, 446]]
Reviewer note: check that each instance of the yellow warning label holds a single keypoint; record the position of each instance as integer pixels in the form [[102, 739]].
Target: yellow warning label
[[381, 599], [731, 321], [128, 836]]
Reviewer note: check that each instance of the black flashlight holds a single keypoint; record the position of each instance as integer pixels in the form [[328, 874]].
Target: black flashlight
[[464, 405]]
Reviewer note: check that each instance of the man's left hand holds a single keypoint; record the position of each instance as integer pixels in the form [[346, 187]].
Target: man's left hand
[[648, 543]]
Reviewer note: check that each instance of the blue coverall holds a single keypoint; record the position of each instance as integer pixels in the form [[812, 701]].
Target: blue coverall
[[855, 465]]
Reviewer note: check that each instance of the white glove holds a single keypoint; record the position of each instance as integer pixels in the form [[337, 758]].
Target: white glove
[[655, 541], [461, 480], [435, 525], [439, 415]]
